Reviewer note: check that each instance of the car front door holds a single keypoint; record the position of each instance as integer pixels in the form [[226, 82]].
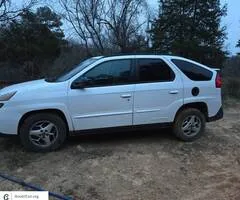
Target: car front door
[[107, 98], [158, 92]]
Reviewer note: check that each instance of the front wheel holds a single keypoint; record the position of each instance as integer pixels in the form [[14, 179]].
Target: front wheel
[[42, 132], [189, 124]]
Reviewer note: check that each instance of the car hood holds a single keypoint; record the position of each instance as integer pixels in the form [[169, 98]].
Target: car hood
[[24, 86]]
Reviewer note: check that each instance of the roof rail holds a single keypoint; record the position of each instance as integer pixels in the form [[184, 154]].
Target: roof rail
[[133, 54]]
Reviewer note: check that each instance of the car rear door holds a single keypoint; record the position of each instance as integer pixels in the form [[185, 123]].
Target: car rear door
[[158, 91]]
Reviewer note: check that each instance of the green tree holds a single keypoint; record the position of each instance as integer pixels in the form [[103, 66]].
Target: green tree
[[53, 21], [32, 39], [190, 28]]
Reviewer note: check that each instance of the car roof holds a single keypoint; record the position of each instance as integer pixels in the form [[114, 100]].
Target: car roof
[[139, 55], [152, 55], [132, 56]]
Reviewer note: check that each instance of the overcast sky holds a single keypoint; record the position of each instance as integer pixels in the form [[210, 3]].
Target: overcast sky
[[231, 21]]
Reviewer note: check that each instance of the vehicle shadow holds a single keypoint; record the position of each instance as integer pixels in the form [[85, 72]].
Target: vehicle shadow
[[12, 144], [9, 143], [145, 136]]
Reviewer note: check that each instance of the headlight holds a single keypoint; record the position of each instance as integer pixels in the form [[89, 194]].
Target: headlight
[[7, 96]]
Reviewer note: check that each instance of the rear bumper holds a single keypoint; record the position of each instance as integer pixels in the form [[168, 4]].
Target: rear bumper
[[216, 117]]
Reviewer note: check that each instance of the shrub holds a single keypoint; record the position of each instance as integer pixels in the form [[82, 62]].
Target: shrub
[[231, 87]]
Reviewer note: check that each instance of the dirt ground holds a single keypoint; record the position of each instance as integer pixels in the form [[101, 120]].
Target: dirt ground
[[142, 165]]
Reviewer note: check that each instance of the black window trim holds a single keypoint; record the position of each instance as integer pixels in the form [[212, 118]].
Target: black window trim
[[142, 82], [132, 75]]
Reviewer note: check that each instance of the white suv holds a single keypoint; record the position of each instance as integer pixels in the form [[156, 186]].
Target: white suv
[[130, 91]]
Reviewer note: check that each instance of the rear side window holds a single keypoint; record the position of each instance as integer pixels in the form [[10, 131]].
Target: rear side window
[[154, 70], [193, 71]]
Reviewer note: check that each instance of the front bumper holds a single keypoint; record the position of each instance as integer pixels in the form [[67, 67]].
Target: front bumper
[[216, 117], [9, 119]]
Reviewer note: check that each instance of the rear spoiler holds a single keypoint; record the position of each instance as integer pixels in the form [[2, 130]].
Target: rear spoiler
[[218, 70]]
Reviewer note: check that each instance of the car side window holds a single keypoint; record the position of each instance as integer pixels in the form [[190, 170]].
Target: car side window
[[193, 71], [113, 72], [154, 70]]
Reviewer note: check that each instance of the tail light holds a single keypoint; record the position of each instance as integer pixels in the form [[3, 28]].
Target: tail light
[[218, 80]]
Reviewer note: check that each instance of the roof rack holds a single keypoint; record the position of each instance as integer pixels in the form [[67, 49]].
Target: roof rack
[[133, 54]]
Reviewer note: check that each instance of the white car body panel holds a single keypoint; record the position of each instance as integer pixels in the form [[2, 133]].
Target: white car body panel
[[32, 96], [102, 107], [157, 102], [209, 94]]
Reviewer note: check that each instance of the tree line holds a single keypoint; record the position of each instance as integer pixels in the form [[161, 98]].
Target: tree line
[[32, 38]]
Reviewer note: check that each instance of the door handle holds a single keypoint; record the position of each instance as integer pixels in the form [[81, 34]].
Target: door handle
[[174, 92], [126, 95]]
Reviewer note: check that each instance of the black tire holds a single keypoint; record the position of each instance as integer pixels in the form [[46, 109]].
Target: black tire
[[27, 124], [179, 120]]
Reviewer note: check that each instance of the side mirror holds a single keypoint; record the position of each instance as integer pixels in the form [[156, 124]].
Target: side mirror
[[80, 84]]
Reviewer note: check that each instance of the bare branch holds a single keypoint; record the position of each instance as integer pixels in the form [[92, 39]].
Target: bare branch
[[7, 12], [104, 24]]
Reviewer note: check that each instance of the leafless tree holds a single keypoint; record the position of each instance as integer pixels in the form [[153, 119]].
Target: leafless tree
[[125, 20], [3, 8], [84, 16], [106, 24], [8, 12]]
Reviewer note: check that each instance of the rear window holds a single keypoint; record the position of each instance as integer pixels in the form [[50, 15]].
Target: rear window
[[193, 71]]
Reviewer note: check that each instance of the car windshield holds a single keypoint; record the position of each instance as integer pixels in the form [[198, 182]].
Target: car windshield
[[69, 73]]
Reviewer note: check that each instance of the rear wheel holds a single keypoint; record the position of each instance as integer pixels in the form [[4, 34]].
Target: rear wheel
[[189, 124], [43, 132]]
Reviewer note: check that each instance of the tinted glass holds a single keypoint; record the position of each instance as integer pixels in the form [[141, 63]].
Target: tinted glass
[[154, 70], [193, 71], [110, 73], [121, 71]]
